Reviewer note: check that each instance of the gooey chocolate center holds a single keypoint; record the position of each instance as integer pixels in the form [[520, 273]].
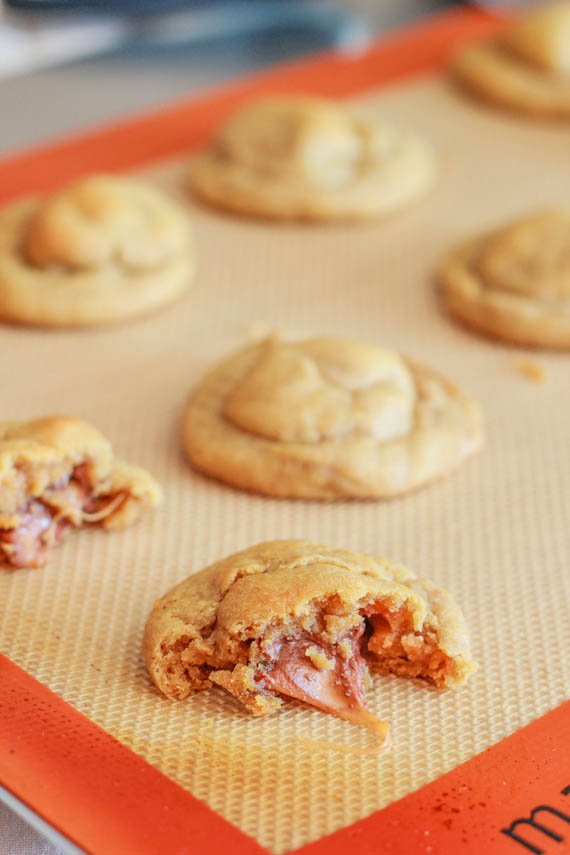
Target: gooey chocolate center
[[44, 521], [330, 677]]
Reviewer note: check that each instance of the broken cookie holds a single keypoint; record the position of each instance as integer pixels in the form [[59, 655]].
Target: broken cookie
[[298, 620], [56, 474]]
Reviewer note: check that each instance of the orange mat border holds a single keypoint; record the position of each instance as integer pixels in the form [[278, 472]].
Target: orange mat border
[[182, 126], [109, 800]]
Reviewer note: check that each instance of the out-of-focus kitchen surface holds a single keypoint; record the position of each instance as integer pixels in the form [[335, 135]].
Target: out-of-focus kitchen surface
[[159, 63], [59, 99]]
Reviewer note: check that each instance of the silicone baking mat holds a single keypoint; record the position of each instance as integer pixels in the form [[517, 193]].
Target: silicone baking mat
[[496, 532]]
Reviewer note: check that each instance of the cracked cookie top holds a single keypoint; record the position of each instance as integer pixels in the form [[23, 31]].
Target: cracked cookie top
[[308, 158], [327, 418], [103, 249], [527, 67], [514, 283]]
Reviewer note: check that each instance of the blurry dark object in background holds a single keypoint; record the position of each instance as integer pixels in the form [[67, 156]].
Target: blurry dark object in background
[[38, 33], [122, 6], [136, 7]]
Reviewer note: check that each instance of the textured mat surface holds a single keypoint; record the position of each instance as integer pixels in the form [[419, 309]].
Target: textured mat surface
[[496, 532]]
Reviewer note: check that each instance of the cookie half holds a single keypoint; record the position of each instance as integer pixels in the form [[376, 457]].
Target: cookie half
[[311, 159], [300, 620], [327, 418], [514, 283], [527, 68], [104, 249], [57, 474]]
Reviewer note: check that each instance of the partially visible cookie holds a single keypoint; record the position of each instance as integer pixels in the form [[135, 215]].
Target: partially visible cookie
[[300, 620], [104, 249], [527, 67], [514, 283], [327, 418], [310, 159], [59, 473]]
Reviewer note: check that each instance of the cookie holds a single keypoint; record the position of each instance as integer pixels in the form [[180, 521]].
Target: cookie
[[299, 620], [310, 159], [513, 284], [527, 67], [327, 418], [56, 474], [104, 249]]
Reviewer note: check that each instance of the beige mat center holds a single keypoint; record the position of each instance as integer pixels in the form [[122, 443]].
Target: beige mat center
[[496, 532]]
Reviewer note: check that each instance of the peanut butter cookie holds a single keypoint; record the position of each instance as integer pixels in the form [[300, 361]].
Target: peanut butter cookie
[[56, 474], [327, 418], [514, 283], [527, 67], [105, 249], [311, 159], [299, 620]]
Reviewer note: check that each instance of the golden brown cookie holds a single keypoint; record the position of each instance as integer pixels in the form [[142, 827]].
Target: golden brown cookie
[[327, 418], [104, 249], [527, 67], [310, 159], [59, 473], [300, 620], [514, 283]]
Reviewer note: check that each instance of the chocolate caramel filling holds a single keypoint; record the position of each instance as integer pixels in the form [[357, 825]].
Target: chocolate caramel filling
[[27, 544], [328, 677], [43, 521], [332, 675]]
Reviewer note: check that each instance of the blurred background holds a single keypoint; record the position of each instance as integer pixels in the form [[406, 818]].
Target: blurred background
[[69, 64]]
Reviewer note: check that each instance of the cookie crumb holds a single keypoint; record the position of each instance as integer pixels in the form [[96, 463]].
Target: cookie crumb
[[532, 370], [319, 658], [258, 331]]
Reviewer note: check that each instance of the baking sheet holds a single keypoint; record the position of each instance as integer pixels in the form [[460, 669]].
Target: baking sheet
[[496, 532]]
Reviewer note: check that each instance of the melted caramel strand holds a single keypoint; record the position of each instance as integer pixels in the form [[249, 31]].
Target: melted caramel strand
[[329, 677], [44, 522], [81, 503], [114, 504]]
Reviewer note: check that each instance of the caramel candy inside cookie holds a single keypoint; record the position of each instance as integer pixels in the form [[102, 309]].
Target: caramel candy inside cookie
[[527, 67], [327, 418], [514, 283], [101, 250], [308, 158], [57, 474], [298, 620]]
